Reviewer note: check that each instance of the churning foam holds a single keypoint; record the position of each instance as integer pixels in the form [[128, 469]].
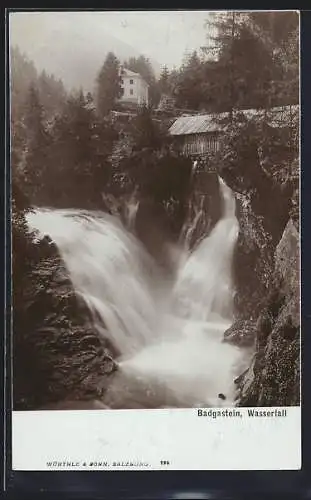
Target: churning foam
[[170, 337]]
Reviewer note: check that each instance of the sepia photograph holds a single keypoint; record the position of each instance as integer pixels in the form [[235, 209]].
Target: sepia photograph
[[155, 173]]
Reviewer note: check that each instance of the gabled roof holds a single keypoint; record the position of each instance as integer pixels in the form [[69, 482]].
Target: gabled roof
[[198, 124], [201, 124], [128, 72]]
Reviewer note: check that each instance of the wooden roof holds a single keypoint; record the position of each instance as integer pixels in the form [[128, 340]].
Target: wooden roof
[[208, 123], [198, 124]]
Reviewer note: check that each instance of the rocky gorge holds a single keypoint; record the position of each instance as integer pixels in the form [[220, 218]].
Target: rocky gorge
[[59, 356], [267, 271]]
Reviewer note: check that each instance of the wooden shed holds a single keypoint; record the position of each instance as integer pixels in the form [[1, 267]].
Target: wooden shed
[[198, 136]]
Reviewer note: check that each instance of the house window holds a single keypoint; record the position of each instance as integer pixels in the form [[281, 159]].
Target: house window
[[131, 82], [122, 92], [131, 91]]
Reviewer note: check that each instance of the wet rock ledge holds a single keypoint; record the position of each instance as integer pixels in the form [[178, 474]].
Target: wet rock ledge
[[57, 354]]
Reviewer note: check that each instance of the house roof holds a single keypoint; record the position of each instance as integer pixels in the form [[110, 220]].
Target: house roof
[[128, 72], [201, 124]]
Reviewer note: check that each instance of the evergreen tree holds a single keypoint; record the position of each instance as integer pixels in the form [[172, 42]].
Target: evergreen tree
[[52, 94], [251, 54], [188, 86], [22, 74], [108, 85], [164, 81], [37, 144], [89, 99], [34, 114], [145, 132], [81, 144], [279, 31], [18, 139]]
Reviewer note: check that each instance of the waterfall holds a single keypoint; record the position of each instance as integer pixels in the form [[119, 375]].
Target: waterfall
[[204, 284], [169, 335], [196, 217]]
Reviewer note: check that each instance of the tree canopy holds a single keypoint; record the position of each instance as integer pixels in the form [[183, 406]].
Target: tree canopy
[[108, 85], [250, 60]]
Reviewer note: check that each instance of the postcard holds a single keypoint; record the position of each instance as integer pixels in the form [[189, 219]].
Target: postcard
[[155, 166]]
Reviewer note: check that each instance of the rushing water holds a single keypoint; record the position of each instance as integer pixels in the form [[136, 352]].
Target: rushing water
[[168, 333]]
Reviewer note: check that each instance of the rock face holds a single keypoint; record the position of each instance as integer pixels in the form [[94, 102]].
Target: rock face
[[273, 378], [263, 209], [242, 333], [252, 261], [257, 164], [57, 354], [261, 228]]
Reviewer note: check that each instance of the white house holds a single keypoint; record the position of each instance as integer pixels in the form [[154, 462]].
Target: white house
[[134, 88]]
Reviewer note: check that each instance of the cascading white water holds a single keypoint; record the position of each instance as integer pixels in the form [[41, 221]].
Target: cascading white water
[[204, 285], [170, 337], [188, 229]]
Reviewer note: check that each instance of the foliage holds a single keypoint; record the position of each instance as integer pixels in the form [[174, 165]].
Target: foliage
[[145, 132], [37, 142], [52, 94], [66, 164], [24, 75], [255, 147], [35, 101], [251, 60], [21, 237], [163, 83], [156, 174], [188, 90], [108, 85]]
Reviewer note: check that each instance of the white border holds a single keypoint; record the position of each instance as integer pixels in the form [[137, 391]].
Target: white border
[[144, 439], [264, 443]]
